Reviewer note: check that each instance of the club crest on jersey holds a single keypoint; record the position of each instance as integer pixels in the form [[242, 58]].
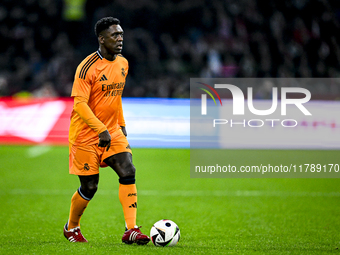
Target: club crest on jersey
[[86, 167], [123, 72]]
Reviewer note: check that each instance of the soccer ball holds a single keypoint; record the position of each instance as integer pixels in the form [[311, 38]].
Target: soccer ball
[[165, 233]]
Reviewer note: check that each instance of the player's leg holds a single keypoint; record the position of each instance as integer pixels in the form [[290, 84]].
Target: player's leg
[[84, 162], [79, 202], [122, 164], [81, 198]]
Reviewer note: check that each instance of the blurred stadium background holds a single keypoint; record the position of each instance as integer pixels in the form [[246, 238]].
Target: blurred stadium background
[[167, 42]]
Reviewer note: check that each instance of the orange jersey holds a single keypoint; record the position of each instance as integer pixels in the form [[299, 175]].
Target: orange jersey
[[100, 82]]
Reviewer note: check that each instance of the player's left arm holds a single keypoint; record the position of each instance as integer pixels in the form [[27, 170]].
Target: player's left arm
[[84, 111], [121, 120]]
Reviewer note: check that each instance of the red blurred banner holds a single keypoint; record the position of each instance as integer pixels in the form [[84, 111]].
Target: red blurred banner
[[35, 121], [161, 123]]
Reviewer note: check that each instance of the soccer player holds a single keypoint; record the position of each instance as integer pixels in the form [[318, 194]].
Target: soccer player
[[97, 136]]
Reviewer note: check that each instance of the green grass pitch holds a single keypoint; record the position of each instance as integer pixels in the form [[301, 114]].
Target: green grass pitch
[[215, 216]]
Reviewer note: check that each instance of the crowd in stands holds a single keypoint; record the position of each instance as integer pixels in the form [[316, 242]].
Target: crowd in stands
[[168, 42]]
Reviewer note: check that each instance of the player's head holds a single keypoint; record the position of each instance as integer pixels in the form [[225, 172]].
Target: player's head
[[110, 35], [104, 24]]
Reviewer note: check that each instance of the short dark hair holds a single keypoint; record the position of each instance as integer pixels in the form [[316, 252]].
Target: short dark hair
[[105, 23]]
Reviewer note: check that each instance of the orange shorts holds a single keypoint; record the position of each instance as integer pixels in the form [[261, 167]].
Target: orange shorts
[[86, 160]]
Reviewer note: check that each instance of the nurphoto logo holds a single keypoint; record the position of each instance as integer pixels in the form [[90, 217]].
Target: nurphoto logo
[[238, 105], [204, 98]]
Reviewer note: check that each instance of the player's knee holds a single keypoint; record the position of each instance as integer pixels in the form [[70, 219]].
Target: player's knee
[[125, 170], [88, 191], [129, 170], [92, 188], [127, 175]]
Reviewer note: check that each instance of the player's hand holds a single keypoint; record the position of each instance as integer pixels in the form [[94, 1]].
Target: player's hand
[[105, 140], [123, 130]]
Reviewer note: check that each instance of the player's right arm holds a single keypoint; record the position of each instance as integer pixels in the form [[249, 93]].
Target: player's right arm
[[81, 92], [85, 113]]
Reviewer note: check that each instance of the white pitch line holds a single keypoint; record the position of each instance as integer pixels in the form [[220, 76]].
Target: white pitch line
[[181, 193], [238, 193], [36, 151]]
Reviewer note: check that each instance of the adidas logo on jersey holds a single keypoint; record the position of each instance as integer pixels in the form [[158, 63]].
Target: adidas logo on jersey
[[103, 78]]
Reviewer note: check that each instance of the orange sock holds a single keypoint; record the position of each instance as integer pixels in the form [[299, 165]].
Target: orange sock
[[128, 199], [78, 205]]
